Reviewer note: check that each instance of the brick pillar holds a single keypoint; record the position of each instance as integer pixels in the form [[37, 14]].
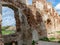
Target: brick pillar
[[17, 21], [1, 39], [20, 41], [34, 2], [26, 32]]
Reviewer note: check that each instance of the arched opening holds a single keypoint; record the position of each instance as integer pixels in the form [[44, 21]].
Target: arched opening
[[30, 2], [10, 16], [8, 21]]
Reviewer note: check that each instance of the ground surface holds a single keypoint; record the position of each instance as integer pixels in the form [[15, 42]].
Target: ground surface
[[47, 43]]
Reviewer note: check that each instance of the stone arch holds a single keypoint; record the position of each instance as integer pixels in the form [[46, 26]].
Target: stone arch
[[12, 37], [25, 28], [16, 16]]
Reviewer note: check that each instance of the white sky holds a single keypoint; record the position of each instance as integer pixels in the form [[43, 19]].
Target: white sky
[[8, 17]]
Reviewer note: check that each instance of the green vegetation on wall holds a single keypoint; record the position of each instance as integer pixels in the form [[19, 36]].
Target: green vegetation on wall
[[58, 31], [44, 39], [33, 42], [52, 38]]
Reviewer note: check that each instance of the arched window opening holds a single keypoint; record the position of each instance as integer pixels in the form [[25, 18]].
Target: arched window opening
[[8, 21], [30, 2]]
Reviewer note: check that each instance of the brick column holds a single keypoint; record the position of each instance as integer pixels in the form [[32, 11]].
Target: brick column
[[26, 32], [1, 39]]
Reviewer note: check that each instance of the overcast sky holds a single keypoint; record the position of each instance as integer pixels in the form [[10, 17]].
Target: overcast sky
[[8, 17]]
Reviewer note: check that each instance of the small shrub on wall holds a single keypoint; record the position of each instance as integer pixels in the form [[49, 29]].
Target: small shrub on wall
[[33, 42]]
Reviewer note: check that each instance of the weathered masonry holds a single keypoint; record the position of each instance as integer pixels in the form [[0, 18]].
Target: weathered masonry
[[32, 21], [23, 35]]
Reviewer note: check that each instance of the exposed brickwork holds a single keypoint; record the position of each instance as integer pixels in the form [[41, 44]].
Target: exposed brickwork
[[39, 16]]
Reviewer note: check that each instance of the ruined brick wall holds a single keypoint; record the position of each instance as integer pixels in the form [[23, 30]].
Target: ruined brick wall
[[50, 18], [44, 18], [23, 28], [40, 16]]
